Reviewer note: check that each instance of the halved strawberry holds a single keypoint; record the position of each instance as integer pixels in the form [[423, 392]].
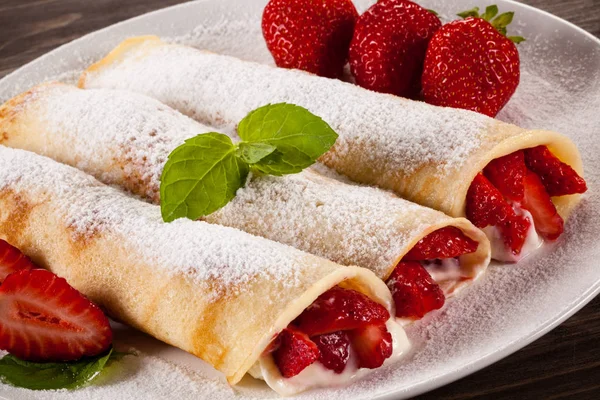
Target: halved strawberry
[[558, 178], [295, 352], [338, 310], [448, 242], [43, 318], [415, 293], [11, 260], [372, 344], [335, 350], [507, 173], [537, 201]]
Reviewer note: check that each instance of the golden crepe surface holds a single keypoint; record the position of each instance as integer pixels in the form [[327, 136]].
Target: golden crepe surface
[[124, 138], [216, 292], [424, 153]]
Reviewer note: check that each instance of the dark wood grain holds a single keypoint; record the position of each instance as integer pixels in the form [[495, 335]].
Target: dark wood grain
[[564, 364]]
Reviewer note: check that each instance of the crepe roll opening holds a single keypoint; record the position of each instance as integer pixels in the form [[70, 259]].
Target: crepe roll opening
[[440, 261], [521, 199], [332, 339]]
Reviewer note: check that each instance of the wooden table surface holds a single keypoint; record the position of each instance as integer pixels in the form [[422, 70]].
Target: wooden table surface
[[564, 364]]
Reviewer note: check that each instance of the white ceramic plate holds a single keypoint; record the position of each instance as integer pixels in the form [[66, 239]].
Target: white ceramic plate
[[511, 306]]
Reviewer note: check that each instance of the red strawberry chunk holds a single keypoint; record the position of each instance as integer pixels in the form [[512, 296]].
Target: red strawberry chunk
[[372, 344], [470, 65], [296, 351], [558, 178], [310, 35], [448, 242], [335, 350], [415, 293], [389, 44], [486, 207], [43, 318], [537, 201], [340, 309], [507, 173], [11, 260]]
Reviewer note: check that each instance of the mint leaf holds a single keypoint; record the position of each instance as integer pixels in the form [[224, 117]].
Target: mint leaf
[[299, 137], [46, 376], [200, 176], [251, 153]]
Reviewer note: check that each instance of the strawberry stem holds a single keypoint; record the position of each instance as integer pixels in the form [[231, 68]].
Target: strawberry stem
[[500, 22]]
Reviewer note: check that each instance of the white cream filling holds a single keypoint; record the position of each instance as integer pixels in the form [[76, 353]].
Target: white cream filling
[[316, 375], [446, 269], [501, 252]]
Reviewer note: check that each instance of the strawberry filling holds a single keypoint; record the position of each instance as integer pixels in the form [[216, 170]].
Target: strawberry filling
[[518, 184], [414, 290], [339, 323]]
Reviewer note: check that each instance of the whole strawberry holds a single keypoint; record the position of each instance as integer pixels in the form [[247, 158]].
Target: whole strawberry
[[389, 45], [471, 64], [312, 35]]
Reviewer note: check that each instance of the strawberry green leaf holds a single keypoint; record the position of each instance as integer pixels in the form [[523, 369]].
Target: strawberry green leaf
[[474, 12], [516, 39], [200, 176], [503, 20], [299, 137], [433, 12], [47, 376], [251, 153], [490, 12]]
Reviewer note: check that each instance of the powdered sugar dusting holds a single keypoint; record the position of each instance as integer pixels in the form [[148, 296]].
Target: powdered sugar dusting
[[220, 259], [124, 138], [381, 132], [507, 307]]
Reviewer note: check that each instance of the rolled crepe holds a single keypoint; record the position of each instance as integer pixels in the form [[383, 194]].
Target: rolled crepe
[[213, 291], [427, 154], [124, 138]]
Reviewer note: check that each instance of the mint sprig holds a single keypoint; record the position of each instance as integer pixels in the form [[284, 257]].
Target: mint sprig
[[48, 376], [203, 174]]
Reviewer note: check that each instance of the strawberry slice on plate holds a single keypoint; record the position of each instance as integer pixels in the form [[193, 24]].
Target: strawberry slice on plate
[[338, 310], [415, 293], [538, 202], [372, 344], [448, 242], [558, 178], [295, 352], [507, 173], [335, 350], [389, 45], [43, 318], [12, 260], [310, 35]]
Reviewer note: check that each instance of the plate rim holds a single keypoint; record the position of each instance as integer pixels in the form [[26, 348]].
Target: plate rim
[[444, 379]]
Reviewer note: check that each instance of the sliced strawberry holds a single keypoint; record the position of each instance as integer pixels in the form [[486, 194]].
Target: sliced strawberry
[[514, 232], [11, 260], [338, 310], [295, 352], [485, 204], [42, 318], [486, 207], [448, 242], [558, 178], [507, 173], [414, 291], [372, 344], [537, 201], [335, 350]]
